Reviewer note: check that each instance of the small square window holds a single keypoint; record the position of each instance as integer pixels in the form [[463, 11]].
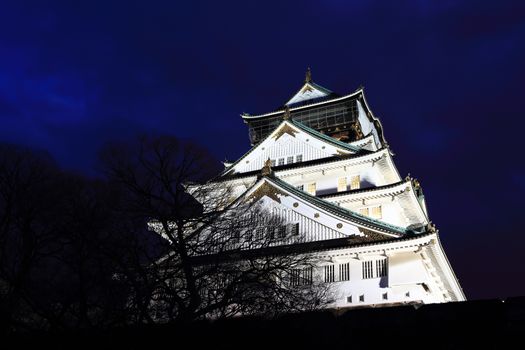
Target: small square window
[[312, 188], [289, 160], [273, 162], [281, 161], [385, 296], [362, 298], [341, 184], [300, 187], [349, 299], [299, 158], [376, 212], [363, 211]]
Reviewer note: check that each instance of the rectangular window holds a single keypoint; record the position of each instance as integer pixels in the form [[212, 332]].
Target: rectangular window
[[280, 232], [341, 184], [381, 268], [376, 212], [363, 211], [298, 158], [385, 296], [295, 275], [289, 160], [312, 188], [236, 236], [355, 182], [329, 273], [362, 298], [259, 233], [367, 270], [302, 277], [273, 162], [281, 161], [344, 272], [349, 299], [294, 229], [300, 187], [308, 275]]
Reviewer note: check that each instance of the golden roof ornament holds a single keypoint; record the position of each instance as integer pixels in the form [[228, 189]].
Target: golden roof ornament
[[356, 127], [267, 168], [308, 77], [286, 115]]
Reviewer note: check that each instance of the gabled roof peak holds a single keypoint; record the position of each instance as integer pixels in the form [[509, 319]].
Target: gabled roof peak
[[309, 91]]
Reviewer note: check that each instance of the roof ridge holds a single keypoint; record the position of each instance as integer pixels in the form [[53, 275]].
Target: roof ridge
[[267, 114]]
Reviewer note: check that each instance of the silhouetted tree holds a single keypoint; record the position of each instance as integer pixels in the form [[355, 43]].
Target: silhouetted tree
[[220, 257]]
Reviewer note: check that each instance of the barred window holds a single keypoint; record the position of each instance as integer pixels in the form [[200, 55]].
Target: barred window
[[329, 273], [367, 270], [281, 161], [301, 277], [344, 272], [260, 233], [341, 184], [289, 160], [308, 275], [281, 232], [355, 182], [381, 268], [294, 229], [295, 275]]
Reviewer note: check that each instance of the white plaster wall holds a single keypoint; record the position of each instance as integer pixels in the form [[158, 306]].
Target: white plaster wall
[[374, 288], [286, 145]]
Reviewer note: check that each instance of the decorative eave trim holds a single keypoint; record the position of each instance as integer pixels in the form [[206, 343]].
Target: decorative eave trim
[[364, 141], [339, 244], [371, 116], [448, 274], [387, 190]]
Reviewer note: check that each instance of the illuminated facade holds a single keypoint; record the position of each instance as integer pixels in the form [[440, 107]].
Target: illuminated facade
[[321, 163]]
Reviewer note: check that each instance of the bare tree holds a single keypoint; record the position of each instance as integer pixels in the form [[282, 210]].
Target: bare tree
[[221, 257], [58, 242]]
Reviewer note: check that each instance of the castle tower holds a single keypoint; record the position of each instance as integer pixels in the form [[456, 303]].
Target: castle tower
[[333, 178]]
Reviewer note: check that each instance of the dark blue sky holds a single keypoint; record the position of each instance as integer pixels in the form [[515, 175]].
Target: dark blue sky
[[446, 78]]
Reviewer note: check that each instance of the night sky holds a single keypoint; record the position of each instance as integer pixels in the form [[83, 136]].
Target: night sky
[[446, 79]]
